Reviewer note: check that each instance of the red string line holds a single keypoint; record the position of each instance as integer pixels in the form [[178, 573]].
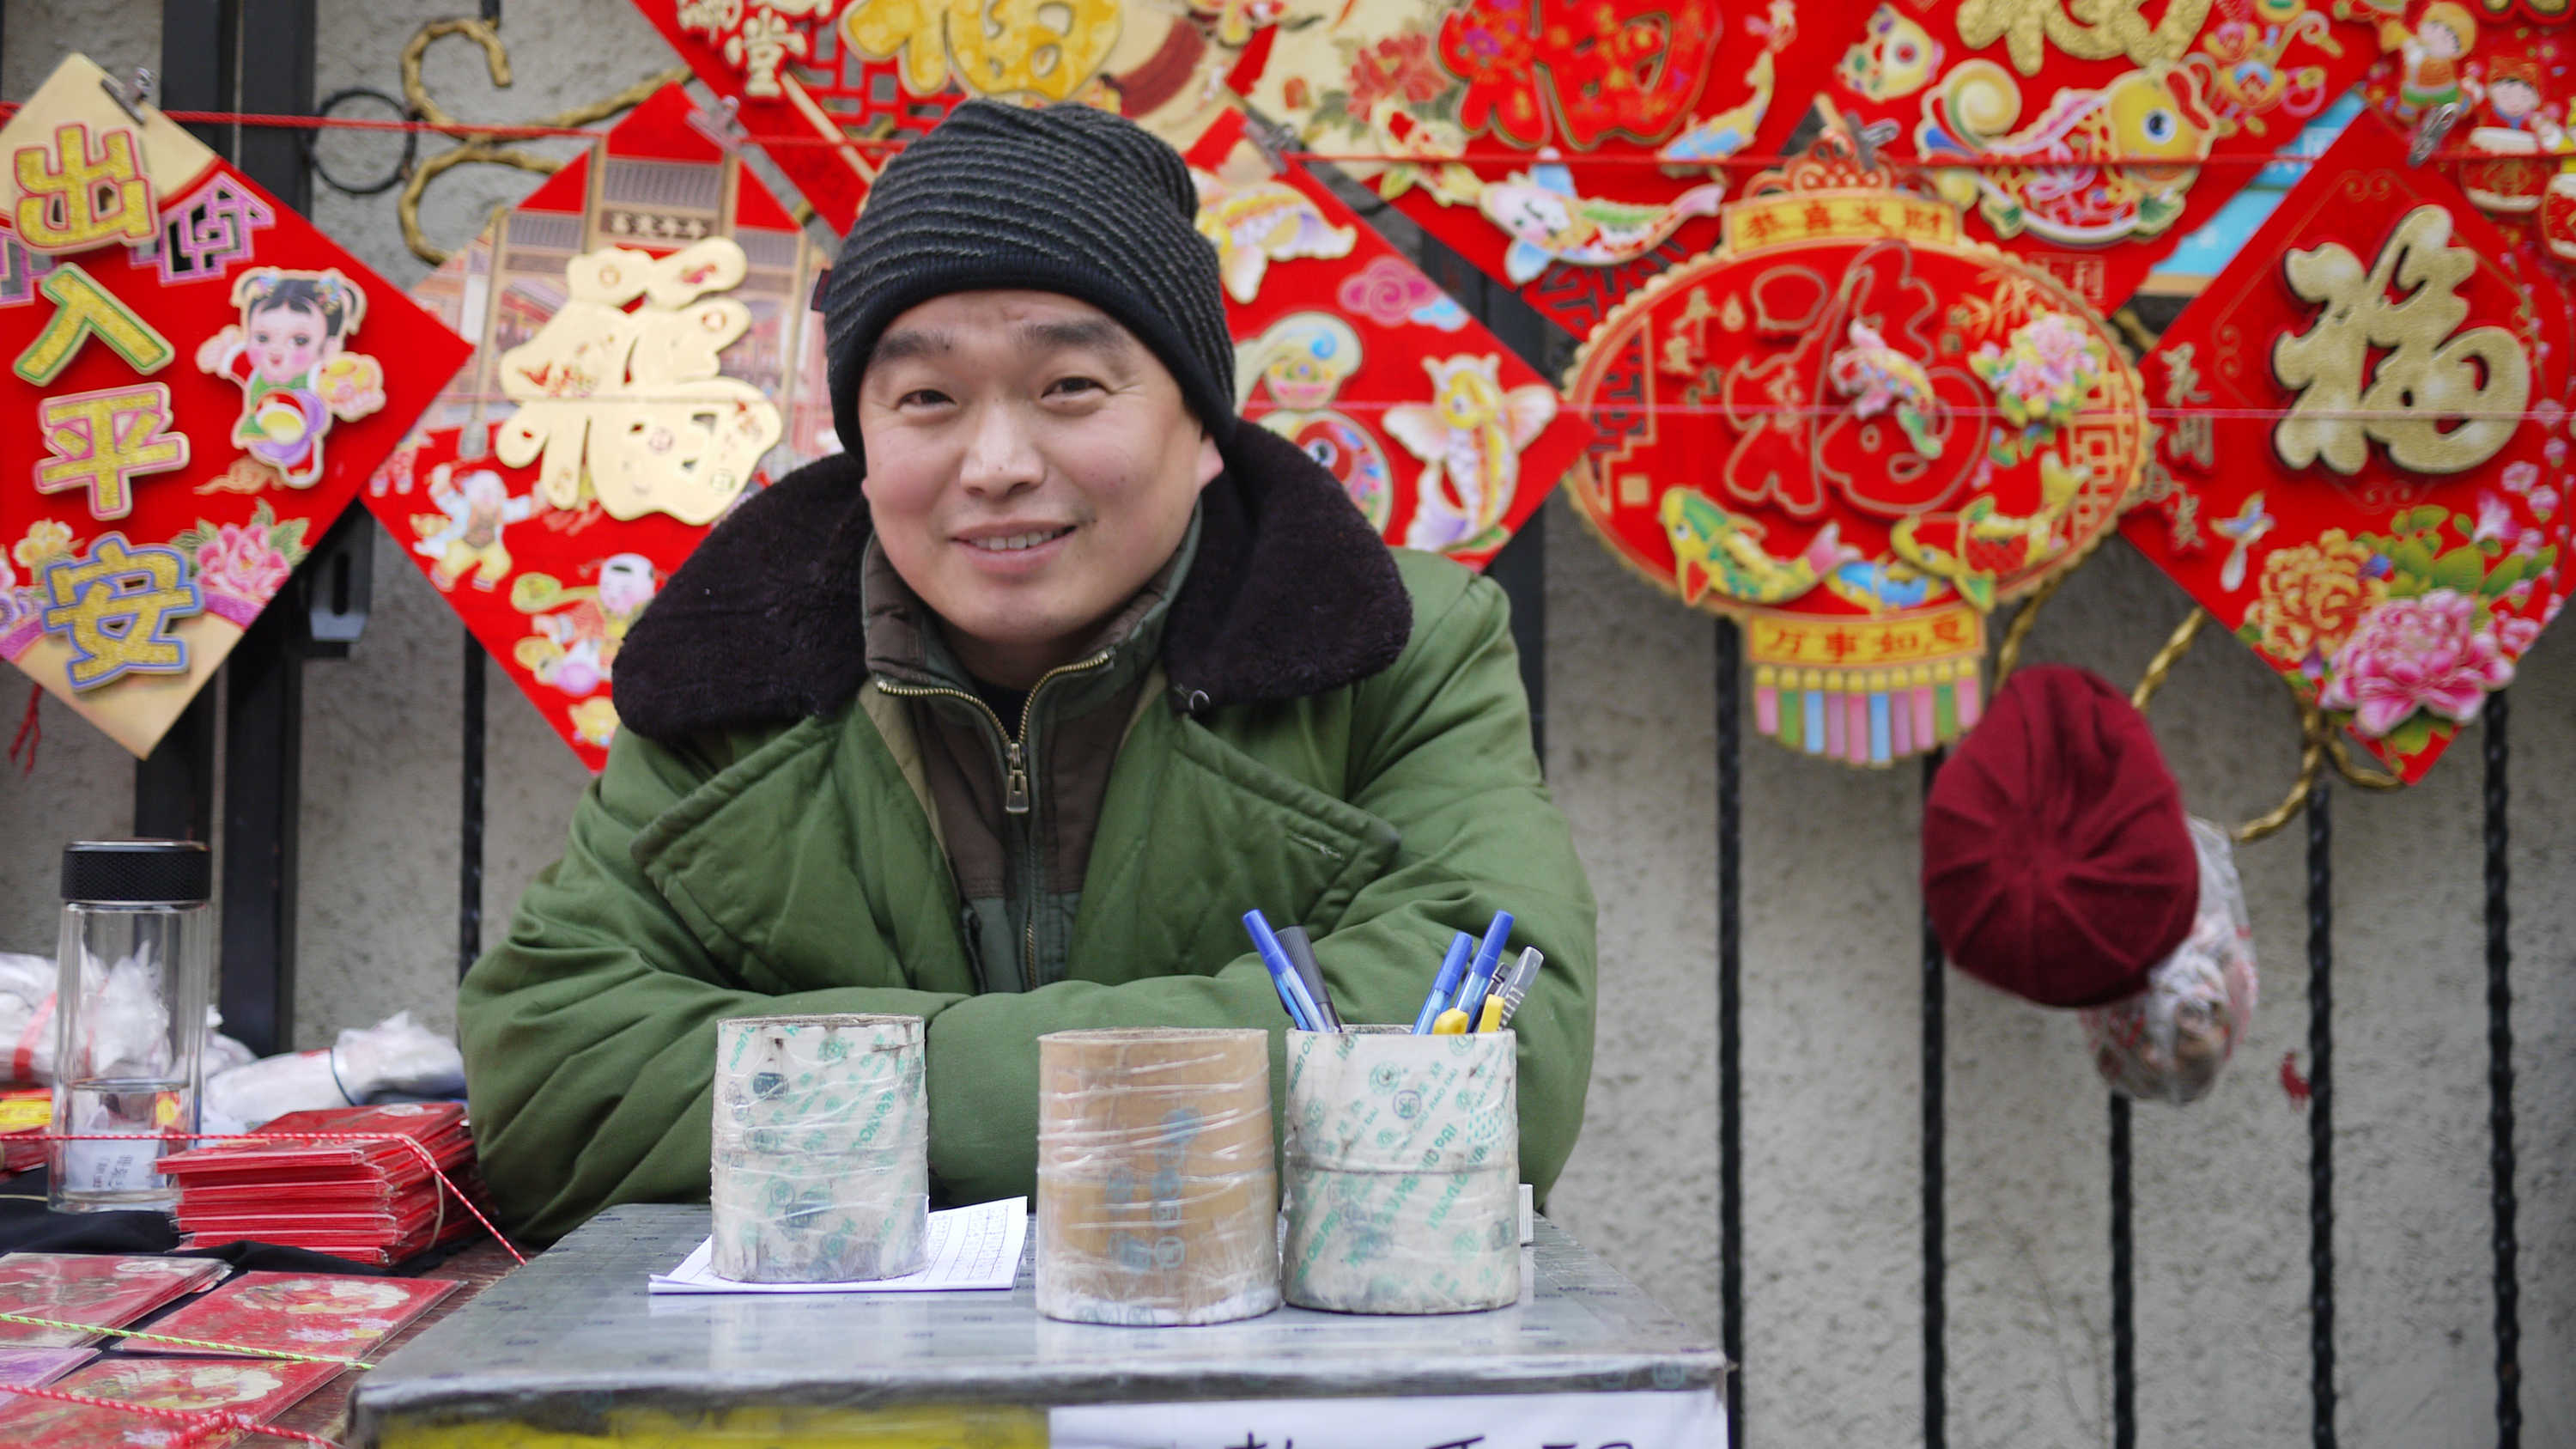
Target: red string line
[[2545, 412], [1491, 156], [31, 730], [196, 1425], [418, 1148]]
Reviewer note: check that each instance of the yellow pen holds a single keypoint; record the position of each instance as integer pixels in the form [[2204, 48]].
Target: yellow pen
[[1493, 1013], [1452, 1022]]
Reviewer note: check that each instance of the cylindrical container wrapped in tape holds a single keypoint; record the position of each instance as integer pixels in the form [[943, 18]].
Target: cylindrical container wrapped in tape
[[1158, 1204], [1404, 1169], [822, 1137]]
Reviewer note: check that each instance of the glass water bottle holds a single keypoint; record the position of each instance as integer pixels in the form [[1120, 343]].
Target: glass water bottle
[[130, 1014]]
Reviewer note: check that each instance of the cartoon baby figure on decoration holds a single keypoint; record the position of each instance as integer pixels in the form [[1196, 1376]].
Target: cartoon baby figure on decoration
[[289, 355], [575, 649], [2444, 34], [464, 536]]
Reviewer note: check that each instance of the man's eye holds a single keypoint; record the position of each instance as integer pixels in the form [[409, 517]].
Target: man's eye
[[1073, 386], [921, 397]]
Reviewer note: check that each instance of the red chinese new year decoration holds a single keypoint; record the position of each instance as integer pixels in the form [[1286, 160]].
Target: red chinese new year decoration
[[647, 358], [2087, 138], [2366, 472], [1857, 432], [200, 382]]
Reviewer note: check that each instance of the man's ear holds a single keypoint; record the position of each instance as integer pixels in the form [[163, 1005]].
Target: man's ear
[[1210, 462]]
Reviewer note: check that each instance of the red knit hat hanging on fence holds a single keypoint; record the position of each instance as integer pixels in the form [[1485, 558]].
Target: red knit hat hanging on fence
[[2056, 864]]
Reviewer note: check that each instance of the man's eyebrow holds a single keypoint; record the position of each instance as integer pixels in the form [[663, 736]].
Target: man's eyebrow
[[1077, 333], [909, 342]]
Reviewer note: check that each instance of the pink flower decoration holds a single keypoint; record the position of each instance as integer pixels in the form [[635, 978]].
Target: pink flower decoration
[[1387, 292], [241, 567], [2429, 653]]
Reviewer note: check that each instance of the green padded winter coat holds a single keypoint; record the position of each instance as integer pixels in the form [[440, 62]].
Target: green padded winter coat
[[1337, 735]]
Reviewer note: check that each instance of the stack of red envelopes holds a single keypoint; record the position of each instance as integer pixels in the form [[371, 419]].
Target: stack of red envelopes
[[300, 1184]]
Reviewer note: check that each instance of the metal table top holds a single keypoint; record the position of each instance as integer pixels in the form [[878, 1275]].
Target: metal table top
[[573, 1338]]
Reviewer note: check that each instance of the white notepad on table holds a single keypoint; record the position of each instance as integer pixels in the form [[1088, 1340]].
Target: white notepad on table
[[968, 1247]]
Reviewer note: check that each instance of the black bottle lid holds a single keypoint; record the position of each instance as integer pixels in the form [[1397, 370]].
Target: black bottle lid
[[138, 872]]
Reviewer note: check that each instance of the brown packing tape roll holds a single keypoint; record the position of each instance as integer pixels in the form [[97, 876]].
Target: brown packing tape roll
[[1157, 1200], [1110, 1099]]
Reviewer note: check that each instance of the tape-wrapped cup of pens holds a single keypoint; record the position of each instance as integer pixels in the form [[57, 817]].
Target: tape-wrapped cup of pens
[[1403, 1171], [820, 1167], [1402, 1149]]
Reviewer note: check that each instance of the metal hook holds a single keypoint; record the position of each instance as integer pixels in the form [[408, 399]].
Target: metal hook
[[131, 95], [721, 124], [2430, 132]]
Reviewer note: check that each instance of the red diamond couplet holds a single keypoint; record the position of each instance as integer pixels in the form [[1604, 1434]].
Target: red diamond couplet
[[2363, 464]]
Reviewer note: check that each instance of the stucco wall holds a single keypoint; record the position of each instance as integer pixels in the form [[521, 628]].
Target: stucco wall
[[1832, 982]]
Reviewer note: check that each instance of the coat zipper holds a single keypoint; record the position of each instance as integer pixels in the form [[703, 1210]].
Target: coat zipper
[[1015, 779]]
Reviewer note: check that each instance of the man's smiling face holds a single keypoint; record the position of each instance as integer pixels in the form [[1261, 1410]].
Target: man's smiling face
[[1030, 466]]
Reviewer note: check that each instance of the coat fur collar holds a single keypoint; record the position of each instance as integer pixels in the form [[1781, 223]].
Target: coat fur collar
[[1291, 594]]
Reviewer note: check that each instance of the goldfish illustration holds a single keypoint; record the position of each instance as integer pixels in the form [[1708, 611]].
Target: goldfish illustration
[[1727, 132], [1877, 377], [1549, 223], [1899, 58], [2156, 120], [1257, 222], [1469, 437], [1883, 586], [1990, 543], [1714, 550], [1303, 360]]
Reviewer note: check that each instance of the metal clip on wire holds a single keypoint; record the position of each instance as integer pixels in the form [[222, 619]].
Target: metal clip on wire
[[721, 124], [131, 96], [2431, 132]]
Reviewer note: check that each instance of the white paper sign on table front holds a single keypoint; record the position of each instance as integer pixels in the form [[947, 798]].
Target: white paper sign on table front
[[1645, 1420]]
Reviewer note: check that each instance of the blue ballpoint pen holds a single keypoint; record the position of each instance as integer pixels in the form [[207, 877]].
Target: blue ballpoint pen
[[1480, 977], [1283, 973], [1453, 968]]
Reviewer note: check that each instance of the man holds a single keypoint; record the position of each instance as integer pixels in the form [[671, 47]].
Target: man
[[1005, 717]]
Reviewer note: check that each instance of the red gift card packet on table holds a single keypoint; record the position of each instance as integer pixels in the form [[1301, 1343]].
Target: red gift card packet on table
[[36, 1367], [333, 1192], [302, 1313], [256, 1389], [88, 1289]]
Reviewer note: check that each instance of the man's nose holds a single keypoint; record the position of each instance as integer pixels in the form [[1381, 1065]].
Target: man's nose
[[1001, 454]]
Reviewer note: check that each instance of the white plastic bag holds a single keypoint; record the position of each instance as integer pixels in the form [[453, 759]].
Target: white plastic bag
[[2166, 1043], [27, 1021], [397, 1054]]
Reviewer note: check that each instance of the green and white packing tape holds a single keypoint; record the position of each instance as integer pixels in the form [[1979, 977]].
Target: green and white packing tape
[[821, 1169], [1403, 1171]]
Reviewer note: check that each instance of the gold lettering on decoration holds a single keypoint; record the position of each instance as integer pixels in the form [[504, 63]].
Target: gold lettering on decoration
[[102, 441], [78, 198], [634, 404], [2479, 379], [1047, 48], [2084, 29]]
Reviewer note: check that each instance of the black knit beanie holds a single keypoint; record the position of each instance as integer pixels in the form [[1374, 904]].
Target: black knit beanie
[[1069, 200]]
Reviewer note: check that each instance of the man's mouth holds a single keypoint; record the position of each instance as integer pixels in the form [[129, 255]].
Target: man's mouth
[[1014, 543]]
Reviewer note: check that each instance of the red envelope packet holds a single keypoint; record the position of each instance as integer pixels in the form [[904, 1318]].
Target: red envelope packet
[[90, 1289], [314, 1313], [36, 1367], [258, 1389]]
